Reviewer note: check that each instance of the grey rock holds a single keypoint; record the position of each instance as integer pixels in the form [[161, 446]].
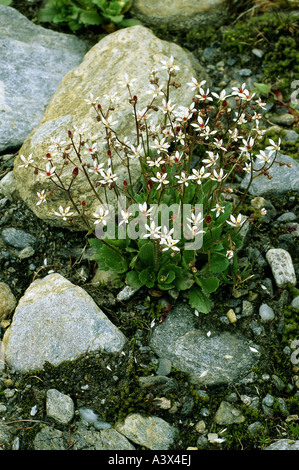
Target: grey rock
[[258, 53], [126, 293], [247, 308], [255, 428], [285, 119], [245, 72], [57, 321], [228, 414], [180, 15], [291, 136], [33, 60], [266, 313], [59, 406], [91, 417], [164, 366], [17, 238], [268, 400], [283, 178], [284, 444], [287, 216], [282, 267], [8, 185], [221, 358], [7, 301], [49, 438], [295, 303], [279, 384], [151, 432], [27, 252], [202, 443]]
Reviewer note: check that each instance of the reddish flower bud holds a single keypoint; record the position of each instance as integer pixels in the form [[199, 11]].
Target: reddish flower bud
[[149, 184], [125, 183], [208, 219], [224, 103], [69, 133], [99, 106], [48, 155], [109, 152], [75, 171], [163, 170], [83, 203]]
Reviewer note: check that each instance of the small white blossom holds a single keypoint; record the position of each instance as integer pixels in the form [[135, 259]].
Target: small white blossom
[[218, 176], [155, 90], [261, 104], [27, 161], [195, 85], [183, 178], [154, 232], [64, 213], [235, 222], [126, 82], [125, 217], [100, 216], [229, 254], [274, 147], [203, 95], [41, 197], [161, 179], [161, 145], [198, 175], [219, 209], [169, 65], [92, 100]]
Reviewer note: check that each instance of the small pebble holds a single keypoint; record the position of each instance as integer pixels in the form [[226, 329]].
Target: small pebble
[[266, 313]]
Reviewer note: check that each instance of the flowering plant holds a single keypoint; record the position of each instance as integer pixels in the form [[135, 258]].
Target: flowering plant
[[188, 165]]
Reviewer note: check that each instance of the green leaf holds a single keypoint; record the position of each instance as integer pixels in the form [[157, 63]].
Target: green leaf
[[262, 88], [147, 277], [209, 284], [127, 22], [107, 258], [146, 254], [219, 263], [5, 2], [198, 300], [133, 279], [184, 282], [91, 18]]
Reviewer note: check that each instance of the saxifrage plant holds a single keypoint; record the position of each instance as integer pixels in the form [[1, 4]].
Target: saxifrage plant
[[188, 164]]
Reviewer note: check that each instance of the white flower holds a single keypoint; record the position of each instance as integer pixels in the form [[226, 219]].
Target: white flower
[[96, 167], [127, 82], [219, 209], [156, 162], [195, 222], [125, 217], [50, 170], [109, 122], [41, 197], [107, 177], [211, 160], [219, 144], [203, 95], [240, 119], [154, 232], [274, 147], [235, 134], [235, 222], [207, 132], [136, 151], [263, 211], [170, 243], [195, 85], [248, 145], [90, 148], [112, 97], [160, 178], [161, 146], [183, 113], [247, 168], [183, 178], [92, 100], [229, 254], [261, 104], [100, 217], [218, 176], [263, 156], [27, 161], [198, 175], [144, 210], [64, 213], [155, 90], [169, 65], [222, 95], [167, 106], [201, 124]]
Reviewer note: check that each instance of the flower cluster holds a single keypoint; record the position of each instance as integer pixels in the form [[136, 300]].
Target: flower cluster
[[191, 157]]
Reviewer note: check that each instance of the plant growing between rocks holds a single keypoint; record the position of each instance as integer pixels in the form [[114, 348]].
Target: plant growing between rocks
[[179, 226]]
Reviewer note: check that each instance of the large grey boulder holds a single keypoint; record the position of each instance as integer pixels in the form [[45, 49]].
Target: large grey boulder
[[282, 178], [33, 60], [57, 321], [132, 51], [209, 357], [181, 15]]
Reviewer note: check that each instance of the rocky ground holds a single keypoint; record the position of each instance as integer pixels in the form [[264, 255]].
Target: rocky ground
[[82, 404]]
